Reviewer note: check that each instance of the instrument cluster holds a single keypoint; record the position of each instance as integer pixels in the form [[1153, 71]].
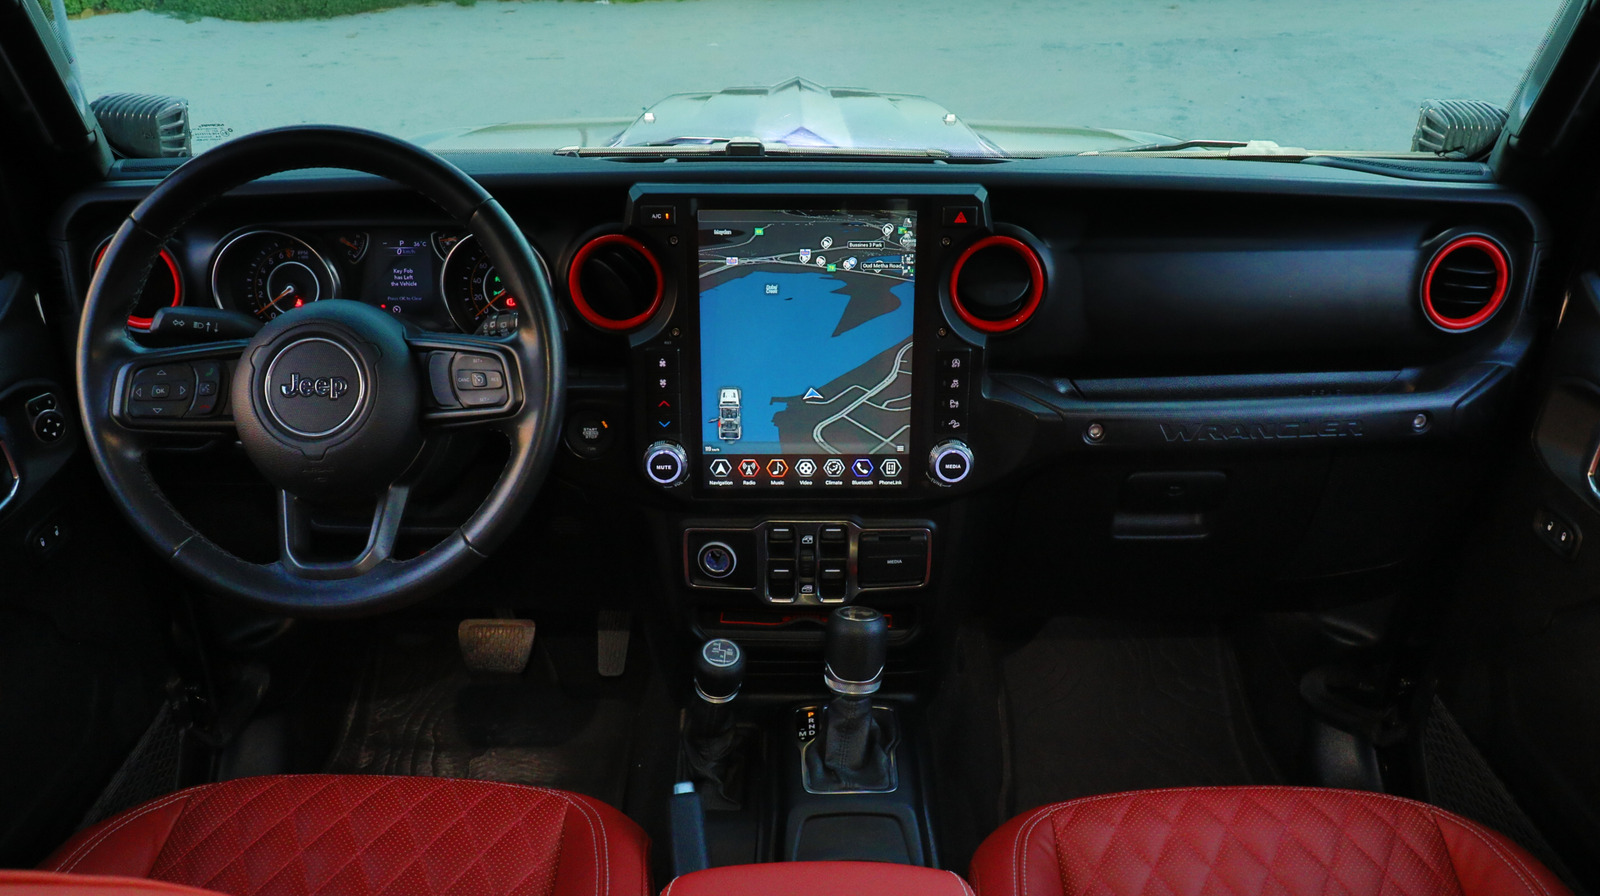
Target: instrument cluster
[[438, 280]]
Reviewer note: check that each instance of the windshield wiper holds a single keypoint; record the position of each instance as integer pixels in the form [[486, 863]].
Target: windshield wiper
[[1170, 147], [1214, 149], [745, 147]]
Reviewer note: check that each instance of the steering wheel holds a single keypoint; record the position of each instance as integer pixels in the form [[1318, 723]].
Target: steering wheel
[[332, 400]]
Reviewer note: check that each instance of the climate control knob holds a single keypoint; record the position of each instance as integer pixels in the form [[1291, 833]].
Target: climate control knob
[[949, 462], [666, 463]]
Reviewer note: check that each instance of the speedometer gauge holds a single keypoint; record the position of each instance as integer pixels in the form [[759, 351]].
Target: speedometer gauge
[[268, 273], [473, 292]]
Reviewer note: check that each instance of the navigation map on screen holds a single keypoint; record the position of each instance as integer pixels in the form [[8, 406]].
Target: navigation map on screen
[[805, 345]]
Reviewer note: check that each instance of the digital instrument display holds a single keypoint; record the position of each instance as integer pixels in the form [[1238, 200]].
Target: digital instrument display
[[401, 274], [806, 324]]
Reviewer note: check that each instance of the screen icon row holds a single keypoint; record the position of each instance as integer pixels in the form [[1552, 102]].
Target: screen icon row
[[805, 468]]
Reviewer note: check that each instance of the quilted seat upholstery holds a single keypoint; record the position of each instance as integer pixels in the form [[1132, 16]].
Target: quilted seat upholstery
[[1252, 841], [359, 835]]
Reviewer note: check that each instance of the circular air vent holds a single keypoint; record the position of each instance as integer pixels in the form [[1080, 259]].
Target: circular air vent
[[616, 283], [1465, 283], [996, 284], [162, 288]]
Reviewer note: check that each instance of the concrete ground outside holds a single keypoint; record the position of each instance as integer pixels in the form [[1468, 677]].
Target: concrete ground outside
[[1335, 74]]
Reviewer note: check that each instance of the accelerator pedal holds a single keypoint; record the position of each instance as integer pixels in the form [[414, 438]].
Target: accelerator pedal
[[611, 652], [496, 645]]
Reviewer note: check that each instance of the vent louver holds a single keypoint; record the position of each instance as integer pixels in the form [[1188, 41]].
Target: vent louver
[[1465, 283]]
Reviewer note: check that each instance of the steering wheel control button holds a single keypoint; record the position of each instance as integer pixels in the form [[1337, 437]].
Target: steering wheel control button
[[717, 560], [666, 463], [479, 380], [161, 391], [314, 386], [950, 462]]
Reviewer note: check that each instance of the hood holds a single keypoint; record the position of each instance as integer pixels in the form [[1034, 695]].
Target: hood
[[798, 113]]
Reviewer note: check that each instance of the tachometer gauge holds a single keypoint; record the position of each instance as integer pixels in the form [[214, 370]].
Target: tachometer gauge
[[268, 273], [476, 298]]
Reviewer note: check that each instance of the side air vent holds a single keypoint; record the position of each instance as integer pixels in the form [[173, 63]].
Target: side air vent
[[1465, 283], [996, 284], [163, 288], [616, 282]]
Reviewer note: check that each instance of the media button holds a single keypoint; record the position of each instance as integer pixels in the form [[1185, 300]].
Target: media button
[[805, 468], [777, 468], [749, 468]]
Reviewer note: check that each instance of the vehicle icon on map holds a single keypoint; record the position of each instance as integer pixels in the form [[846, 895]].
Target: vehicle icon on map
[[730, 416]]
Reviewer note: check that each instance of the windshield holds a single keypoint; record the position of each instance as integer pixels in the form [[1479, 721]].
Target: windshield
[[965, 77]]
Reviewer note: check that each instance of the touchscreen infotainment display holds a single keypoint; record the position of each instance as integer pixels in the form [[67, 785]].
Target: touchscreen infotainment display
[[805, 347]]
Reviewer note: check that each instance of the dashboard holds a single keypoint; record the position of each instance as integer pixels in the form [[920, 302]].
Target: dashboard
[[818, 379]]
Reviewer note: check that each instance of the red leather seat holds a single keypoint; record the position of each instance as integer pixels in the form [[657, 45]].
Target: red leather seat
[[1242, 841], [361, 835]]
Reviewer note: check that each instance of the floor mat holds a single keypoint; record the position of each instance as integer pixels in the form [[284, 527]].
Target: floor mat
[[1101, 706], [419, 711]]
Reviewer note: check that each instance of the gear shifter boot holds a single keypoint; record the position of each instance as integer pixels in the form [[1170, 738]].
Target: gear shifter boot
[[851, 735], [854, 752]]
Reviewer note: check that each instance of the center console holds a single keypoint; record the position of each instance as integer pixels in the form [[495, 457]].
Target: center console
[[806, 395]]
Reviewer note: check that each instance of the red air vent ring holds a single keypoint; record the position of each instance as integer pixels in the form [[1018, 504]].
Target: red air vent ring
[[1502, 270], [143, 323], [596, 318], [1029, 304]]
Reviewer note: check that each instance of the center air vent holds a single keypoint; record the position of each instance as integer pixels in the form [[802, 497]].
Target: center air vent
[[1465, 283], [616, 283], [996, 284]]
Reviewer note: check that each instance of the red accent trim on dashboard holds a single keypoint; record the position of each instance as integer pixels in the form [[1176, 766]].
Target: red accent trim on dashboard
[[1035, 288], [143, 323], [1502, 269], [582, 305]]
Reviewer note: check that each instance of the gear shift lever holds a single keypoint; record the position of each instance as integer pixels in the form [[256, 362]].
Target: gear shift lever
[[853, 754], [718, 675], [712, 738], [854, 650]]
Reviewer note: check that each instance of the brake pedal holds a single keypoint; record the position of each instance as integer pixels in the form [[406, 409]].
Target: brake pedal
[[496, 645], [611, 652]]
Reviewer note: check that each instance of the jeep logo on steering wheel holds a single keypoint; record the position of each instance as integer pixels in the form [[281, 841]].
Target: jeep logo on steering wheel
[[330, 387]]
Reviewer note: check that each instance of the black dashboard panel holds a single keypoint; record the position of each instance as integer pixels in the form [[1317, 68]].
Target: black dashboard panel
[[1161, 358]]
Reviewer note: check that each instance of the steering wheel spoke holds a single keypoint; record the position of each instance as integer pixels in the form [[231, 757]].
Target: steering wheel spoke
[[294, 537], [468, 380], [176, 391]]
